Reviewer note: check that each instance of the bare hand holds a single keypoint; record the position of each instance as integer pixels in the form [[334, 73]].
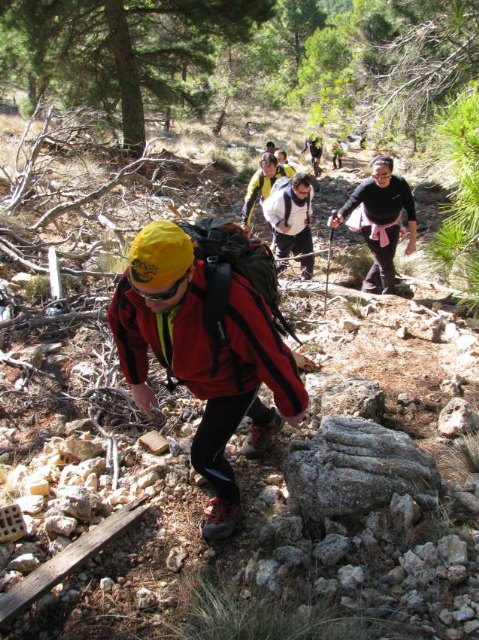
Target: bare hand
[[282, 227], [334, 222], [144, 398], [295, 421], [410, 249]]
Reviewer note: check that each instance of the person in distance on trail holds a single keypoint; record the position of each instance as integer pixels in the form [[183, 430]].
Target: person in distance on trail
[[159, 304], [281, 156], [292, 233], [314, 145], [376, 206], [270, 147], [338, 152], [259, 186]]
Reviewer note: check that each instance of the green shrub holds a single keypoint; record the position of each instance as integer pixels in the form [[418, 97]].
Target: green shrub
[[38, 289]]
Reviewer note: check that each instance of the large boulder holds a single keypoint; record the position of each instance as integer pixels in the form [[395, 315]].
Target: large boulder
[[353, 466]]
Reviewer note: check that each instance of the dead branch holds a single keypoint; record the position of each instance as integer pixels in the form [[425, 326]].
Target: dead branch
[[112, 456], [106, 222], [30, 166], [44, 248], [24, 321], [124, 174], [17, 257], [124, 395], [417, 77], [15, 236], [24, 365], [13, 253], [303, 255]]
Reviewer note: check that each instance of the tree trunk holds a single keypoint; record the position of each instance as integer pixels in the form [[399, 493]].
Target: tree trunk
[[167, 124], [133, 117], [297, 51], [220, 123]]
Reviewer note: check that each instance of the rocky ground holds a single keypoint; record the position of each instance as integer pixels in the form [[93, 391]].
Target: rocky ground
[[61, 407]]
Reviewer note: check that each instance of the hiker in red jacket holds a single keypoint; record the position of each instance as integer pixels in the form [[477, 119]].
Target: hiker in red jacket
[[159, 304]]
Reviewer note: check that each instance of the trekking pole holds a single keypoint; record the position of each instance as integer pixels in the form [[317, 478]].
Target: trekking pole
[[328, 264]]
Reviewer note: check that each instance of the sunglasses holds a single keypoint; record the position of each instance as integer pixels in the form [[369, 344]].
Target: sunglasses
[[165, 295]]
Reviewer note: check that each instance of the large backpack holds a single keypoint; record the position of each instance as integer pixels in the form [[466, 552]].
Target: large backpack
[[280, 185], [226, 248]]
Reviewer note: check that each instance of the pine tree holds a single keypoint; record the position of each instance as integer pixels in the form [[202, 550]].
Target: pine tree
[[455, 251], [104, 53]]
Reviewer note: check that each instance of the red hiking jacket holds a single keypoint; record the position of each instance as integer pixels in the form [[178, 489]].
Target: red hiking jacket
[[264, 357]]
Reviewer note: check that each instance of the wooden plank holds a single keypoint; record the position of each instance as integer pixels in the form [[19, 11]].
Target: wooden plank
[[56, 287], [49, 574]]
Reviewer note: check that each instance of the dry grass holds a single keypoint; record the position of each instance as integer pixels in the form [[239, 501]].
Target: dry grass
[[215, 611], [414, 266], [194, 140], [12, 484], [462, 457], [355, 263], [11, 126]]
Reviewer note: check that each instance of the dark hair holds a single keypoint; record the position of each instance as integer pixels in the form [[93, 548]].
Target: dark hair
[[268, 158], [270, 144], [278, 151], [301, 178], [382, 159]]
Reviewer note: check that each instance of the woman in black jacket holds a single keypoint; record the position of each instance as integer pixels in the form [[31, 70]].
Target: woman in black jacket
[[377, 204]]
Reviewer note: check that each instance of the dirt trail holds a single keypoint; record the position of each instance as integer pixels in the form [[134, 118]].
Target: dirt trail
[[391, 344]]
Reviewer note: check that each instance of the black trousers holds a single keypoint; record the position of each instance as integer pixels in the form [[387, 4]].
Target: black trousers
[[315, 163], [301, 243], [382, 274], [220, 420]]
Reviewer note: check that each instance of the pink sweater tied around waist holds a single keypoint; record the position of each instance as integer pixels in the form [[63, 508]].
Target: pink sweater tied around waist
[[359, 219]]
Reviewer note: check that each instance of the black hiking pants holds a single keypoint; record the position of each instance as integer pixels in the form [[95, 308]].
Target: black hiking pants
[[300, 244], [220, 420], [382, 274], [315, 162]]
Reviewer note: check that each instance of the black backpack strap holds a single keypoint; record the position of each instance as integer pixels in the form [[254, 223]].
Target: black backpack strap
[[283, 326], [219, 276], [261, 183], [287, 206]]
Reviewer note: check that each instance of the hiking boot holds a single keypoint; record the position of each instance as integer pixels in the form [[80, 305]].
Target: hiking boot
[[220, 519], [260, 438], [306, 275], [404, 291], [367, 287]]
